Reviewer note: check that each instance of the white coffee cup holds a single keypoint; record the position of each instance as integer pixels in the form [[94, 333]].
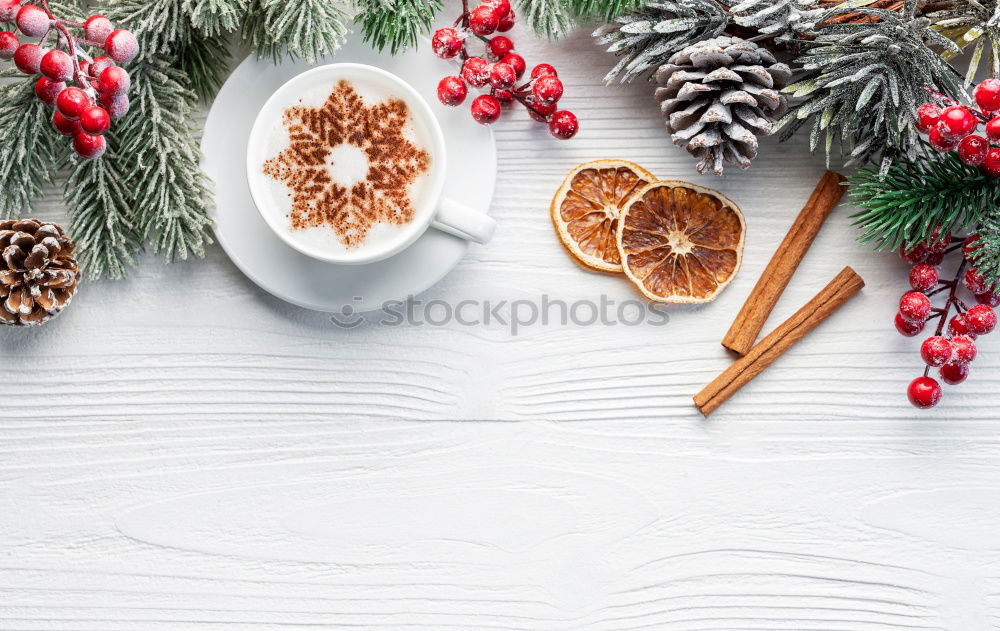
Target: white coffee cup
[[432, 210]]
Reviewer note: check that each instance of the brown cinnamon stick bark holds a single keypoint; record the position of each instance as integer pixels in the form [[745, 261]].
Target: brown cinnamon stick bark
[[751, 318], [841, 288]]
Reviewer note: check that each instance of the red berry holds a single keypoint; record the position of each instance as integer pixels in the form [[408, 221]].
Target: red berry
[[47, 90], [958, 326], [502, 76], [564, 125], [117, 106], [95, 120], [486, 109], [97, 28], [28, 58], [914, 306], [972, 150], [953, 374], [543, 70], [969, 246], [452, 91], [923, 277], [993, 129], [981, 319], [9, 9], [504, 96], [541, 112], [500, 7], [936, 351], [84, 68], [974, 281], [71, 102], [446, 43], [915, 254], [476, 72], [936, 242], [32, 21], [988, 298], [100, 64], [483, 20], [963, 349], [924, 392], [956, 121], [65, 126], [506, 22], [57, 65], [547, 89], [516, 62], [940, 142], [927, 116], [987, 95], [934, 258], [114, 80], [8, 45], [121, 46], [909, 329], [87, 146], [991, 165], [500, 46]]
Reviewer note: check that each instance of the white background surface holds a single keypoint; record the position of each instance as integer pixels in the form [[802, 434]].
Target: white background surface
[[183, 451]]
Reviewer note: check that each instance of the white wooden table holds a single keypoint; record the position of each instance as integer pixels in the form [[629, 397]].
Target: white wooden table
[[183, 451]]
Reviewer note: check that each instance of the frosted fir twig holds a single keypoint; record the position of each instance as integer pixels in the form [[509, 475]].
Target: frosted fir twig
[[310, 29], [216, 17], [29, 149], [168, 189], [647, 38], [395, 24], [102, 217]]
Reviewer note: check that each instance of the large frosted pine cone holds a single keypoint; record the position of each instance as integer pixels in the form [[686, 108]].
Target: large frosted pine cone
[[38, 274], [718, 96]]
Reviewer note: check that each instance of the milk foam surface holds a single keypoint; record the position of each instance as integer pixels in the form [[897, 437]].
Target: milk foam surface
[[347, 164]]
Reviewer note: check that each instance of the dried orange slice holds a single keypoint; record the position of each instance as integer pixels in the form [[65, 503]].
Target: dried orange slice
[[586, 207], [680, 242]]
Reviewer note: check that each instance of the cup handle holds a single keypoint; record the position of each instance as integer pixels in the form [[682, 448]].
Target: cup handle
[[462, 221]]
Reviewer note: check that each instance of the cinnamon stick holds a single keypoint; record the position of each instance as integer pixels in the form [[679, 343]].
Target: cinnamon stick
[[750, 320], [836, 293]]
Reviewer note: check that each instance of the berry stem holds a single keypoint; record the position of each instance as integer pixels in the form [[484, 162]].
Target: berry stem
[[522, 99], [87, 42], [952, 299]]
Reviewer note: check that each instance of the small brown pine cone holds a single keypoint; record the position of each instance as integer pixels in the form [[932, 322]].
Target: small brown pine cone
[[38, 274], [718, 96]]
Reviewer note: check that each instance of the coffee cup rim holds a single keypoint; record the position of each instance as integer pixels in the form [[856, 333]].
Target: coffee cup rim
[[423, 216]]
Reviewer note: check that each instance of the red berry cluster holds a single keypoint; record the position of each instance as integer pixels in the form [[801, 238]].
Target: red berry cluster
[[953, 128], [499, 69], [86, 92], [949, 350]]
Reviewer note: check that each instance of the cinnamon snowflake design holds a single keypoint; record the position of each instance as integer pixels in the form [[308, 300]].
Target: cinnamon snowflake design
[[394, 164]]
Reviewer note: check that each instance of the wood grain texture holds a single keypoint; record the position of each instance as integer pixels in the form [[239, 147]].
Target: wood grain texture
[[182, 451]]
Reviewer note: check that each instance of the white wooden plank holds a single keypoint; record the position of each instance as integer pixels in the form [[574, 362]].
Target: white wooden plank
[[183, 451]]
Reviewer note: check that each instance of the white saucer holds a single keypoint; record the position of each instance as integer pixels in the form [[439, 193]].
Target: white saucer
[[305, 281]]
